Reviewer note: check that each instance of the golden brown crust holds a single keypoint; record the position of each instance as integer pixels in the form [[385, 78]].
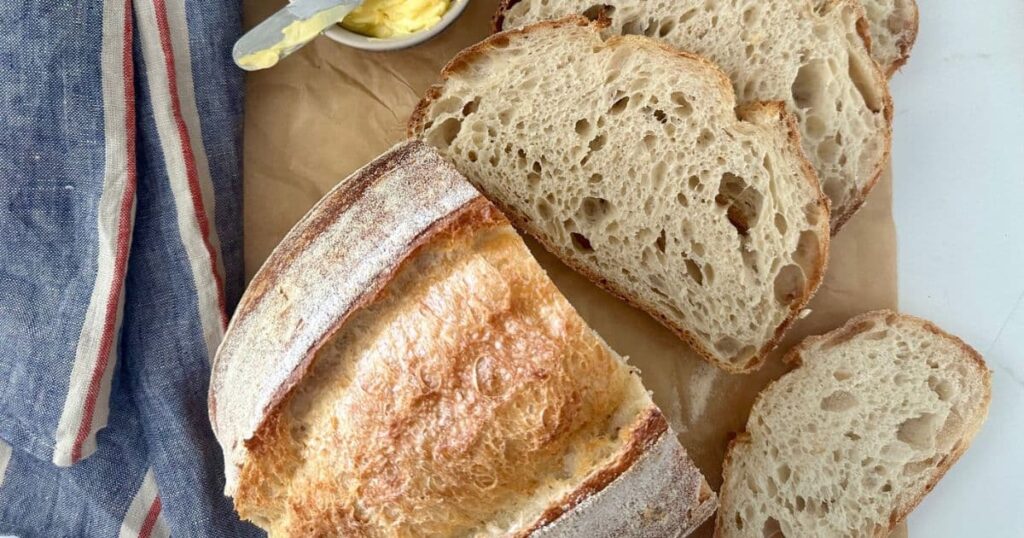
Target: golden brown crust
[[467, 56], [853, 327], [475, 216], [259, 362]]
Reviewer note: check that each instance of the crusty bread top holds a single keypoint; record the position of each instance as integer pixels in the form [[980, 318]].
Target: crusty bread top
[[460, 392], [467, 398], [849, 442], [644, 179], [357, 235], [814, 60]]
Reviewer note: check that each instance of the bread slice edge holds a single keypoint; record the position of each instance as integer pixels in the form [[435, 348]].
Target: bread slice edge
[[840, 335]]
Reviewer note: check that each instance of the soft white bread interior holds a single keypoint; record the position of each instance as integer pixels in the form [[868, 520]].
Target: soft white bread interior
[[441, 384], [893, 30], [849, 442], [628, 161], [809, 54]]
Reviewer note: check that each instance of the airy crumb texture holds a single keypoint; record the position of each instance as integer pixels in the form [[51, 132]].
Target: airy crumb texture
[[627, 160], [893, 31], [469, 399], [811, 55], [849, 442]]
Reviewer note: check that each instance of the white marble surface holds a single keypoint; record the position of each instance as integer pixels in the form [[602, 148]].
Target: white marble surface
[[958, 158]]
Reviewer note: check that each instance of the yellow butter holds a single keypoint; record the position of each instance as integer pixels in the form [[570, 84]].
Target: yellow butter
[[259, 60], [390, 18], [292, 35]]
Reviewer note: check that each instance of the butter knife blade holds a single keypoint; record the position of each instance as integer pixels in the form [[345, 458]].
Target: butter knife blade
[[288, 30]]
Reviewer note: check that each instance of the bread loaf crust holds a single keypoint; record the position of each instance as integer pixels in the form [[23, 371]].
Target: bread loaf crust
[[255, 375], [855, 326], [757, 112]]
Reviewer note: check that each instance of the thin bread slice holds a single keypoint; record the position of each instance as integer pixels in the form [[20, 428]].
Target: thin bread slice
[[893, 30], [814, 60], [849, 442], [401, 366], [627, 160]]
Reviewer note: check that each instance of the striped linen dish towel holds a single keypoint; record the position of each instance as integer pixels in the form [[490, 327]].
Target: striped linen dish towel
[[120, 260]]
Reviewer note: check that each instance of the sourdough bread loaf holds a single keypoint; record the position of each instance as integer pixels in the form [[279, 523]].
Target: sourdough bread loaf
[[401, 366], [813, 58], [627, 160], [849, 442]]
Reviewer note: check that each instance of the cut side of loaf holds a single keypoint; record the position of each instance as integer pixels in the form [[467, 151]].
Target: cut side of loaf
[[402, 366], [849, 442], [628, 161], [893, 30], [816, 61]]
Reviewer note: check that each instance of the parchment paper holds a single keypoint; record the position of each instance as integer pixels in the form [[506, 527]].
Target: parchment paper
[[327, 110]]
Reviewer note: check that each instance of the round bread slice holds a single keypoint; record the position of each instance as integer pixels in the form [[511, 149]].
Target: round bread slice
[[401, 366], [627, 160], [849, 442], [813, 58]]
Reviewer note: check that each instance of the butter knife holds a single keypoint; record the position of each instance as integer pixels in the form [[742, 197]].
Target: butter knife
[[287, 31]]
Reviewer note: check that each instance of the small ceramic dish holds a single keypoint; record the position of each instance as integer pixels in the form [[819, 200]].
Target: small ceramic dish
[[359, 41]]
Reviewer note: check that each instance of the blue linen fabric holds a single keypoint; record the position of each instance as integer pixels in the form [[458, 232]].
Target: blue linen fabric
[[120, 260]]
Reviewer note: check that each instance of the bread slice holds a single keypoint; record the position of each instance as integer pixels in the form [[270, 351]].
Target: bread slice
[[893, 30], [627, 160], [815, 61], [402, 366], [849, 442]]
